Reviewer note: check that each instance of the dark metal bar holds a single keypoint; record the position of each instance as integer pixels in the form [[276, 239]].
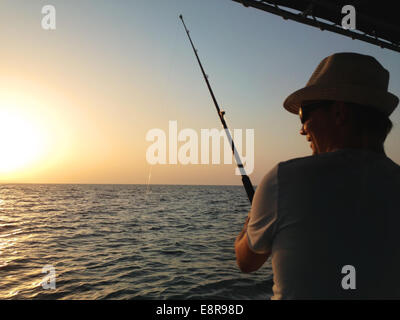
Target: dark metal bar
[[318, 24]]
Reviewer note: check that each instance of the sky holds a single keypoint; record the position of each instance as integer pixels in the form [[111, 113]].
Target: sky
[[77, 102]]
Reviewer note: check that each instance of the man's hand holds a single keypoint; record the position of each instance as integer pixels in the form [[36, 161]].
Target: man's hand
[[247, 260]]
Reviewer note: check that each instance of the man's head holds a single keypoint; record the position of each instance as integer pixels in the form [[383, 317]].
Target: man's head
[[345, 104], [333, 125]]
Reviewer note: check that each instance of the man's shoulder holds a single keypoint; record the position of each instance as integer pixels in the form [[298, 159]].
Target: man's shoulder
[[300, 162], [340, 159], [272, 175]]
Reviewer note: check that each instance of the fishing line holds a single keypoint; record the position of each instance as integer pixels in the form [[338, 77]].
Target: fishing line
[[171, 63], [148, 184]]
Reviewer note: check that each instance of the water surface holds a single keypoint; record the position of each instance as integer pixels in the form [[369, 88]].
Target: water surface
[[122, 242]]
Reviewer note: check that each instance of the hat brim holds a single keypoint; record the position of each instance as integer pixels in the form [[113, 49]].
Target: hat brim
[[381, 100]]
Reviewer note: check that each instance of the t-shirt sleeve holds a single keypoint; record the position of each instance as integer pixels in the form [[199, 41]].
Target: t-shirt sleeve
[[263, 214]]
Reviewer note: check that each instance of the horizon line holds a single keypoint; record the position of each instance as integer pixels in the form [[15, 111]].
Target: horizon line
[[131, 184]]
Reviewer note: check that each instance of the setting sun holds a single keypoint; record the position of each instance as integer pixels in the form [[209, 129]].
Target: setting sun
[[21, 142]]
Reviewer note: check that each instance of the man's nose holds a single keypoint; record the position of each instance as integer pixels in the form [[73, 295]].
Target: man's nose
[[302, 130]]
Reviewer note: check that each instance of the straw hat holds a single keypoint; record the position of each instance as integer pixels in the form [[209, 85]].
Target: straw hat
[[348, 77]]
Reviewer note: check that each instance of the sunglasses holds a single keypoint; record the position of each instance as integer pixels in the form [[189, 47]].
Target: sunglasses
[[304, 111]]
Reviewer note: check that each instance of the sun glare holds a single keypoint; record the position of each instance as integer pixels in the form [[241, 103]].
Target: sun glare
[[21, 142]]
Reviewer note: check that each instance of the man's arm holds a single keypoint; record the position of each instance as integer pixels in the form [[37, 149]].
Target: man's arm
[[247, 260]]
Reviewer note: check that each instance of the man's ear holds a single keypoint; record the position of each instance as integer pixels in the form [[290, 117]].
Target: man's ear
[[341, 113]]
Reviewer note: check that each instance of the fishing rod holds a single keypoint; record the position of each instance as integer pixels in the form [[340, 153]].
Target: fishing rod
[[245, 178]]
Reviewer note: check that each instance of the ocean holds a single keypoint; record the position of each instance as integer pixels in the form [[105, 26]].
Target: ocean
[[124, 242]]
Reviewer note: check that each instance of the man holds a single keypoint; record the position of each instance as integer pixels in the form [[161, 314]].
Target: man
[[331, 221]]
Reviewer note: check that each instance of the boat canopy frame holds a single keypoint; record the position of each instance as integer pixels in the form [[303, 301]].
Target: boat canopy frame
[[377, 22]]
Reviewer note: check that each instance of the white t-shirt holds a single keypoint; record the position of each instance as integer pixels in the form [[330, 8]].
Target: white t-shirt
[[320, 213]]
